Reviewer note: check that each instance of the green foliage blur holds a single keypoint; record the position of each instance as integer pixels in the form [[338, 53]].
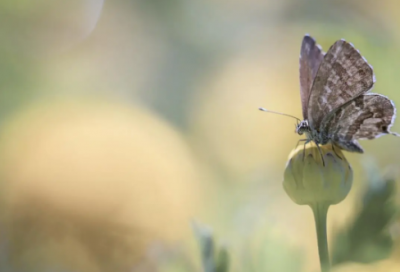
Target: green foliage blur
[[121, 122]]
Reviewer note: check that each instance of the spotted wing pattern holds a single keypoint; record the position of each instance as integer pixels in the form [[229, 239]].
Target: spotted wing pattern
[[311, 56], [343, 75], [366, 117]]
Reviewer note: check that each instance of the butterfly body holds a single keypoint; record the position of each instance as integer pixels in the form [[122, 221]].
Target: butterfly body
[[336, 106], [303, 127], [312, 134]]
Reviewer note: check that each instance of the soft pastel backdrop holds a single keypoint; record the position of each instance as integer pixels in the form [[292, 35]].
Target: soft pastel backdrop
[[123, 121]]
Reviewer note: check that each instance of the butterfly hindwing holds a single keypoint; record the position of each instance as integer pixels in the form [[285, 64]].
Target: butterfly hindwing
[[343, 75], [311, 56], [365, 117], [351, 146]]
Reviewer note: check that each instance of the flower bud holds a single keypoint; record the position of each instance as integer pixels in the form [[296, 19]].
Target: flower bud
[[308, 179]]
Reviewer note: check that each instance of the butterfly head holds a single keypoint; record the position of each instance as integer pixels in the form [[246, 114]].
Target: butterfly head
[[303, 127]]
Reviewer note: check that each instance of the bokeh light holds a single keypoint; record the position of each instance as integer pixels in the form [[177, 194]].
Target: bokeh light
[[124, 121]]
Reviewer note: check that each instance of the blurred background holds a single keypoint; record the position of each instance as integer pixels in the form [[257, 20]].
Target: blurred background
[[123, 121]]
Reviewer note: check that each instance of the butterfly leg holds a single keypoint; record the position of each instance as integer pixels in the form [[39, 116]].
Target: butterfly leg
[[320, 152], [301, 140], [304, 147], [333, 148]]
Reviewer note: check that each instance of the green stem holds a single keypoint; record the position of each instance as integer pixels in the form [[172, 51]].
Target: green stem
[[320, 211]]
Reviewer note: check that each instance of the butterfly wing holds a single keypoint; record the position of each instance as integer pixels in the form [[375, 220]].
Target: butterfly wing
[[343, 75], [366, 117], [311, 56]]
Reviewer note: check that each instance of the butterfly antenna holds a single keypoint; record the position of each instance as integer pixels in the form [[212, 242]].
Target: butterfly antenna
[[263, 109]]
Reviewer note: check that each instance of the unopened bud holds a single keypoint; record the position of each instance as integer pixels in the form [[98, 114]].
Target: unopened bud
[[318, 175]]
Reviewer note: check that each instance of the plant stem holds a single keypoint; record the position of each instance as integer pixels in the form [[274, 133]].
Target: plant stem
[[320, 211]]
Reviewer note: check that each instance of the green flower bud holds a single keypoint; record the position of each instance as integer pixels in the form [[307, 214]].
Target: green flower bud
[[318, 178], [308, 181]]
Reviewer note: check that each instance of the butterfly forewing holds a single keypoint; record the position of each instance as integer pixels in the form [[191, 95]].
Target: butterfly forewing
[[335, 107], [342, 75], [311, 56], [366, 117]]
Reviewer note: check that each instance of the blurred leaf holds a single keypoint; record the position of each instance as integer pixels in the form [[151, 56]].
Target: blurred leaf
[[222, 260], [367, 238], [170, 259], [211, 262]]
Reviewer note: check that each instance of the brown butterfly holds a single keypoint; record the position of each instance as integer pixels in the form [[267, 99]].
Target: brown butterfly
[[337, 107]]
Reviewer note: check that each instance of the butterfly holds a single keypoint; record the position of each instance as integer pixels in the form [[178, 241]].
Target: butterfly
[[336, 104]]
